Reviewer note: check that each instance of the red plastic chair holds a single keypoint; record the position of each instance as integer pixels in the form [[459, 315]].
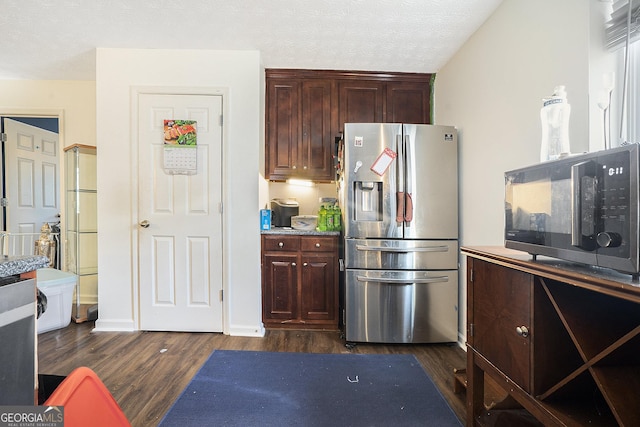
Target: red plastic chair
[[86, 401]]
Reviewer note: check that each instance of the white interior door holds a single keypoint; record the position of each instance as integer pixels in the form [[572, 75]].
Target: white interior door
[[32, 163], [180, 250]]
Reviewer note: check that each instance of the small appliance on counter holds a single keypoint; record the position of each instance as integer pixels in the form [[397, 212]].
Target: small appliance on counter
[[282, 210], [304, 222]]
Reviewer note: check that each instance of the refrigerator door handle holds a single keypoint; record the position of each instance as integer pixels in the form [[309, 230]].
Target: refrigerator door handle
[[400, 198], [408, 208], [440, 248], [435, 279], [408, 202]]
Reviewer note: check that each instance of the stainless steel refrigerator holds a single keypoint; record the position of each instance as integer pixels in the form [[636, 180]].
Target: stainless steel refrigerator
[[399, 195]]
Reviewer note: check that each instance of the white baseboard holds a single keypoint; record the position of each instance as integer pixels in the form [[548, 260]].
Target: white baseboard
[[122, 325], [246, 331]]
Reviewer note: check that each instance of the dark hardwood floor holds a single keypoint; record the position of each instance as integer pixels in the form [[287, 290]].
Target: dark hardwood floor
[[146, 371]]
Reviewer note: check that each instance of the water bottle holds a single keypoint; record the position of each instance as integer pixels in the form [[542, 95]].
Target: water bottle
[[554, 116], [330, 218], [337, 218], [322, 218]]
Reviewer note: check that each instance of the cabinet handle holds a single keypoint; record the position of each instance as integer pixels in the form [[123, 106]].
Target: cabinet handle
[[523, 331], [280, 244], [317, 245]]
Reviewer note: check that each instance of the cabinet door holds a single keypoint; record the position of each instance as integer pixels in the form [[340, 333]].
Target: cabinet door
[[318, 287], [360, 102], [283, 127], [280, 289], [501, 305], [317, 134], [408, 102]]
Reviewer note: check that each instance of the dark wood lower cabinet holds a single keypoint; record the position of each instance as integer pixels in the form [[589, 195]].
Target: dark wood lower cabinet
[[300, 281], [561, 339]]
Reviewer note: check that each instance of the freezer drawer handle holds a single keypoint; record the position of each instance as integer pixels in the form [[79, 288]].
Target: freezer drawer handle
[[441, 248], [435, 279]]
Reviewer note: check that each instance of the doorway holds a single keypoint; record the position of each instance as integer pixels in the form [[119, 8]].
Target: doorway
[[30, 182]]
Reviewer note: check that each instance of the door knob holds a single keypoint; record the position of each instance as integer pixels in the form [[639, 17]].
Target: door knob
[[144, 224], [523, 331]]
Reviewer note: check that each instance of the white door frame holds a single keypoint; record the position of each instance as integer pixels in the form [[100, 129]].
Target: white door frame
[[50, 113], [173, 90]]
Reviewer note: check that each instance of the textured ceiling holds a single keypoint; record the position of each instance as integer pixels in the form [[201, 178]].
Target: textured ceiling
[[56, 39]]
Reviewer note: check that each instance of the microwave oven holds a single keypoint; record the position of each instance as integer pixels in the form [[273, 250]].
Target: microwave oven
[[582, 208]]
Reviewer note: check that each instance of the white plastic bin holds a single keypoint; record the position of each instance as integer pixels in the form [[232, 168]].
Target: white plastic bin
[[58, 286]]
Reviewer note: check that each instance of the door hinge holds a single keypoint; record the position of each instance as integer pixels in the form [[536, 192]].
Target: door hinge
[[220, 207], [221, 119], [3, 137], [471, 275], [470, 329], [221, 294], [4, 202]]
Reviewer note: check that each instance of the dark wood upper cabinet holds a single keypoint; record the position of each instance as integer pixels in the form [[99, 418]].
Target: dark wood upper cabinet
[[315, 156], [408, 102], [306, 111], [283, 133], [361, 101]]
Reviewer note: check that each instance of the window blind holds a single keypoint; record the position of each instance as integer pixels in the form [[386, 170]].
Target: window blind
[[616, 27]]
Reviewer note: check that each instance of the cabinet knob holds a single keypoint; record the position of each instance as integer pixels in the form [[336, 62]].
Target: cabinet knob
[[294, 167], [317, 245], [304, 264], [523, 331], [304, 167], [280, 244], [293, 264]]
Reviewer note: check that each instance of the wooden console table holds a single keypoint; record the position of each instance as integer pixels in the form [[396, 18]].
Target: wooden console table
[[562, 339]]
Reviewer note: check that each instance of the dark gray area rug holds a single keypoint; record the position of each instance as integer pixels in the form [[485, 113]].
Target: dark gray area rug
[[252, 388]]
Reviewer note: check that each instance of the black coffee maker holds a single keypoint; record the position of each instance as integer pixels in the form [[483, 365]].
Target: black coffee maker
[[282, 210]]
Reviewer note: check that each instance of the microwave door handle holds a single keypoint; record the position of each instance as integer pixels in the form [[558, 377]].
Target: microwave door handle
[[578, 190]]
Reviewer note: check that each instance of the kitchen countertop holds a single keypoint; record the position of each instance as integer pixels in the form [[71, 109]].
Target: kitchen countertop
[[10, 266], [293, 232]]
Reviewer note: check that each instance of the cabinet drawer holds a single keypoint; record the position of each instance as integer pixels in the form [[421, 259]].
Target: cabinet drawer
[[280, 243], [319, 244]]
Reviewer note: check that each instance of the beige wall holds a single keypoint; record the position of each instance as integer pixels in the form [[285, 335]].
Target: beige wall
[[73, 102], [492, 90], [75, 99]]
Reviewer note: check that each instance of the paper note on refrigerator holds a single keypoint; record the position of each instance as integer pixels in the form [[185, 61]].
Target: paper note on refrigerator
[[383, 161]]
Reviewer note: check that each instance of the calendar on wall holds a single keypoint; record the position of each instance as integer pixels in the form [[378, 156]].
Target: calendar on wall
[[180, 149]]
